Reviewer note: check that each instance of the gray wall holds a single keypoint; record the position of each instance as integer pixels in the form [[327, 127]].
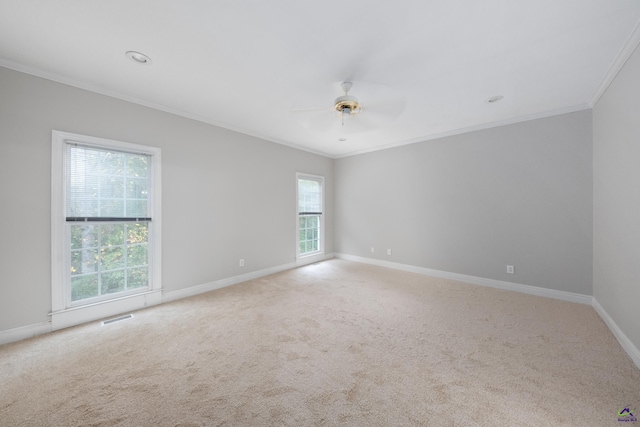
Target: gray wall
[[226, 195], [616, 185], [473, 203]]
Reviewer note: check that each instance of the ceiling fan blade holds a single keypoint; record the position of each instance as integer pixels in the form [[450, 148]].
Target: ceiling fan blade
[[309, 109]]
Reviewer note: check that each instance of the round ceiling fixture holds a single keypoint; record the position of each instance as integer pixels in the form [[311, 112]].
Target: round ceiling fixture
[[494, 99], [138, 57]]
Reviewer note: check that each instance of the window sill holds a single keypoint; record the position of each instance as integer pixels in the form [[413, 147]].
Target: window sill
[[311, 258]]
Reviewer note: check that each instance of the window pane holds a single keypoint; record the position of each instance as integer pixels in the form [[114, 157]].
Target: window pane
[[309, 195], [111, 163], [84, 236], [137, 277], [137, 166], [113, 251], [137, 188], [84, 287], [137, 255], [138, 232], [112, 257], [112, 208], [112, 234], [103, 183], [111, 282], [136, 208], [111, 187], [84, 261]]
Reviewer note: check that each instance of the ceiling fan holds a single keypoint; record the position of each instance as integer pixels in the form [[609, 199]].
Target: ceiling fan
[[383, 104], [346, 105]]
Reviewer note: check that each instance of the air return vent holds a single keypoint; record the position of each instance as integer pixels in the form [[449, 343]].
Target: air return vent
[[117, 319]]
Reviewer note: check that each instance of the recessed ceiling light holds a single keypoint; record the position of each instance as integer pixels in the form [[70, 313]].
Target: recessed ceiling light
[[494, 99], [140, 58]]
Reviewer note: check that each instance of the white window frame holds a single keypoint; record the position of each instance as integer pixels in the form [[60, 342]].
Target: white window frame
[[63, 312], [321, 234]]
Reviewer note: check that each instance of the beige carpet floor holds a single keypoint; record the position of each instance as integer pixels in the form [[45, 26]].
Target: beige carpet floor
[[334, 343]]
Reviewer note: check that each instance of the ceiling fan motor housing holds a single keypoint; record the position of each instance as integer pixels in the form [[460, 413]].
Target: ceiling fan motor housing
[[347, 105]]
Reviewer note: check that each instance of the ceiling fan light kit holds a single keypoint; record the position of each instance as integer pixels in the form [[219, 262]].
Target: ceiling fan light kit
[[346, 105]]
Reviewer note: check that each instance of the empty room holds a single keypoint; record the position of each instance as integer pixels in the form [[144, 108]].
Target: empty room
[[285, 213]]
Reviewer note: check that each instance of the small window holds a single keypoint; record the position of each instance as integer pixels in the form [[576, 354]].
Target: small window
[[310, 239]]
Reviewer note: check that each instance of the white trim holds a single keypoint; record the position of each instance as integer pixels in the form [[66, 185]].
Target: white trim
[[621, 58], [90, 312], [223, 283], [624, 341], [114, 94], [24, 332], [78, 315], [526, 289], [311, 259], [61, 313], [28, 331]]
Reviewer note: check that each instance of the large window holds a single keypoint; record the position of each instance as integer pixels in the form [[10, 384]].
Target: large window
[[310, 197], [108, 216], [105, 220]]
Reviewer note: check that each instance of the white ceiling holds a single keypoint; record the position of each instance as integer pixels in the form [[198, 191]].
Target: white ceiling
[[421, 68]]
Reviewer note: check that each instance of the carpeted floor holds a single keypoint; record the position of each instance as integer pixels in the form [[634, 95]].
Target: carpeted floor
[[334, 343]]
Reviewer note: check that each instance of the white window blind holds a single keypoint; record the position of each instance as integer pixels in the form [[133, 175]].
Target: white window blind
[[309, 197], [107, 185]]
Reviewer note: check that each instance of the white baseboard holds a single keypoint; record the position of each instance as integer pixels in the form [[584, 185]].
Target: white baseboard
[[79, 315], [313, 259], [526, 289], [24, 332], [88, 313], [222, 283], [624, 341]]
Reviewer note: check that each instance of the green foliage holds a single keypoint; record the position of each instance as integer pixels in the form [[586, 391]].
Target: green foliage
[[137, 165], [84, 236], [137, 255], [308, 233], [112, 257], [103, 255], [138, 233], [84, 287], [112, 234], [111, 282], [137, 277]]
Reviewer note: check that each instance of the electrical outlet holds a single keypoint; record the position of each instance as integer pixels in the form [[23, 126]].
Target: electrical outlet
[[388, 251], [241, 263], [373, 249], [511, 269]]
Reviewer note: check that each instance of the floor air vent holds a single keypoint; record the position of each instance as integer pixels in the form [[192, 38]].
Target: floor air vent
[[117, 319]]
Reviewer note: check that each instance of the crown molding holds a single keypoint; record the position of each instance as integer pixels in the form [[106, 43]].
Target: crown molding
[[128, 98], [482, 126], [621, 58]]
